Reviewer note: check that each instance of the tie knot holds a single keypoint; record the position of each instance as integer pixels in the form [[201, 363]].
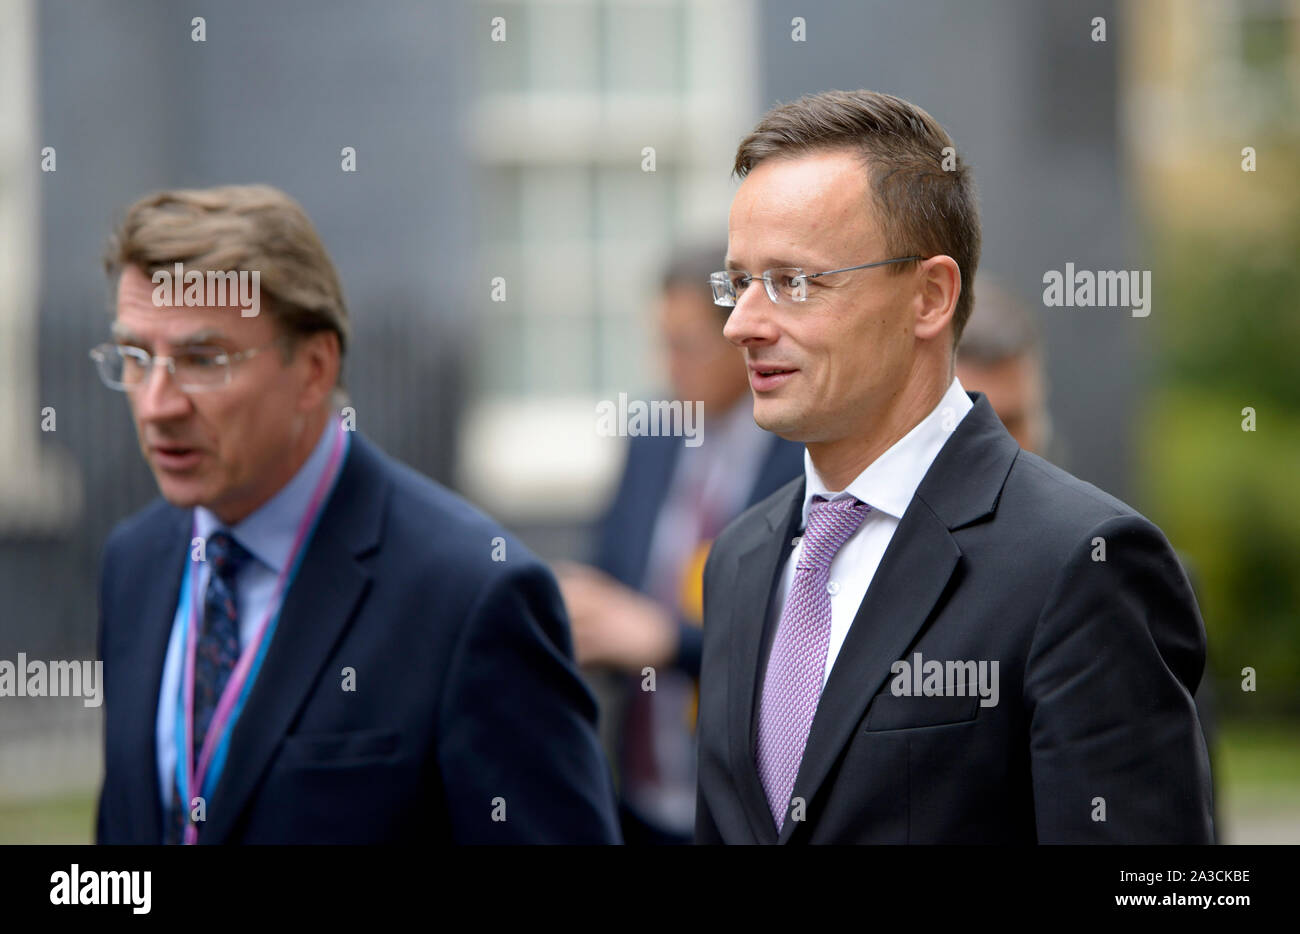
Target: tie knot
[[831, 523], [225, 555]]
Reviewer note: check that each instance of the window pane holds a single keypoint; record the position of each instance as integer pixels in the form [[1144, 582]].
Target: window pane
[[564, 47], [644, 47]]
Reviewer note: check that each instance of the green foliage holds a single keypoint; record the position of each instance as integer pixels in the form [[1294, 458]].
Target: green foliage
[[1229, 499], [1229, 318], [62, 820], [1261, 757]]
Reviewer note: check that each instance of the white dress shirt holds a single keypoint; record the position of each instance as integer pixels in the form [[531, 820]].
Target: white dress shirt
[[887, 486]]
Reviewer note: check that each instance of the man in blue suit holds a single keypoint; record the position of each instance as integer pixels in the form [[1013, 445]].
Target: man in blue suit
[[639, 606], [305, 641]]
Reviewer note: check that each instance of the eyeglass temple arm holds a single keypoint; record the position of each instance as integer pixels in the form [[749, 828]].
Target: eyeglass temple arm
[[883, 262]]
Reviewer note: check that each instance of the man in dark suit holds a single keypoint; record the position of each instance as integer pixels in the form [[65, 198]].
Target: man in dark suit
[[305, 641], [933, 636], [639, 605]]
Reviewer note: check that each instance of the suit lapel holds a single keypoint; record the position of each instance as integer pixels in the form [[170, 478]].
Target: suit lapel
[[758, 566], [139, 717], [961, 486], [319, 605]]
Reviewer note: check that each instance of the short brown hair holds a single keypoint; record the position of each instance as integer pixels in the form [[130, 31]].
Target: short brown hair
[[924, 210], [238, 227]]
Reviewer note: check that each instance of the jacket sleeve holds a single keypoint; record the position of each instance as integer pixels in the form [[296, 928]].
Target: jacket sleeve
[[1117, 753], [518, 751]]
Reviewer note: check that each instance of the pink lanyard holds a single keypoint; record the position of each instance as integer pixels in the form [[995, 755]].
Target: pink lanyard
[[195, 775]]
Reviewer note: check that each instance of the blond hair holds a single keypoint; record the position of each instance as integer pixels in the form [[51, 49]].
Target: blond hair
[[238, 227]]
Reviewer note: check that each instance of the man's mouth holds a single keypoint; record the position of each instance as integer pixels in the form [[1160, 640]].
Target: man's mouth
[[175, 457], [766, 377]]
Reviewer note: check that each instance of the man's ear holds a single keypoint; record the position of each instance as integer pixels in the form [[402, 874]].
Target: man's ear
[[940, 289], [319, 354]]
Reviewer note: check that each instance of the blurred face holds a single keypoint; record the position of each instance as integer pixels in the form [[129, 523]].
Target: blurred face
[[702, 364], [822, 370], [230, 448], [1014, 388]]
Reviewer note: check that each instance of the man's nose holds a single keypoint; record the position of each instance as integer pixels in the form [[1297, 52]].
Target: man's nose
[[159, 398], [751, 319]]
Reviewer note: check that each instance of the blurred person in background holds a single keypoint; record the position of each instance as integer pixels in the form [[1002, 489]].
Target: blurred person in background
[[305, 641], [640, 604], [1001, 355]]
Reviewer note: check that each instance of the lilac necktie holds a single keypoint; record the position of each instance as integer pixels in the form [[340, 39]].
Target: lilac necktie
[[796, 668]]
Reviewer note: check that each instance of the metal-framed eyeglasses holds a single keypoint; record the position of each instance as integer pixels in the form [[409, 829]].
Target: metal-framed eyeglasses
[[785, 284], [195, 369]]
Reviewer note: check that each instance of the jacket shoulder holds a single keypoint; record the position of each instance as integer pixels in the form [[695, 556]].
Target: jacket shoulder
[[145, 525], [438, 531], [1058, 500]]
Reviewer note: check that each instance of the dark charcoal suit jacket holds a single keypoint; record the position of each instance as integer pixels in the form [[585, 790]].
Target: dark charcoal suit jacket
[[466, 693], [993, 560]]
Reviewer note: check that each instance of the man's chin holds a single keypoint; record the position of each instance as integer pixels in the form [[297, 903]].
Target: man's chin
[[183, 494], [783, 424]]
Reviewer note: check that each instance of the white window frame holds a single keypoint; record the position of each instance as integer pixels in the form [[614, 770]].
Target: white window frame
[[537, 457]]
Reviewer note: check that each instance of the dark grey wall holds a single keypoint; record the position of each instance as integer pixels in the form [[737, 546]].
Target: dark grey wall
[[1032, 103]]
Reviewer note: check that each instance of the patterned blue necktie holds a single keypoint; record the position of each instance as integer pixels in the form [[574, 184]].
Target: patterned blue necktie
[[217, 652]]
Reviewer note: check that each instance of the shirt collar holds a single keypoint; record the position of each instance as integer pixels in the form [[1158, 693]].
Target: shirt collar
[[269, 531], [889, 483]]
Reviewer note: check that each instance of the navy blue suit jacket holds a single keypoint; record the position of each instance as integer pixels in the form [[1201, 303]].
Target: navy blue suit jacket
[[467, 706], [623, 542]]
